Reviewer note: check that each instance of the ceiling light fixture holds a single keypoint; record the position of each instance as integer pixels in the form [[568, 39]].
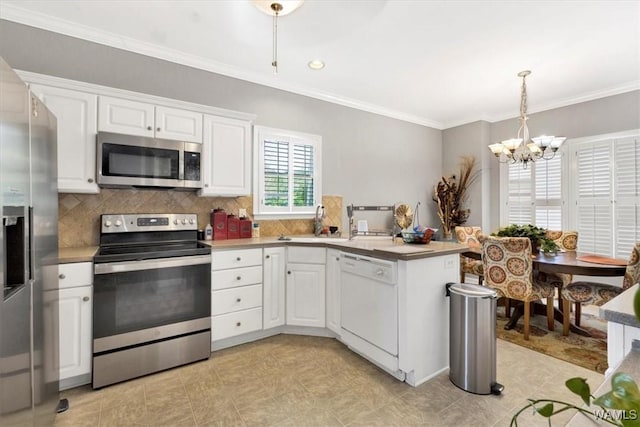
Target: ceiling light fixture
[[277, 9], [524, 149], [316, 64]]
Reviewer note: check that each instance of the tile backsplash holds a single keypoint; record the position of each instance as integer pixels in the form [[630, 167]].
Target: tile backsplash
[[79, 214]]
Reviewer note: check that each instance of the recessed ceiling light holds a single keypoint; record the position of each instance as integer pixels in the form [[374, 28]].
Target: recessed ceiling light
[[316, 64]]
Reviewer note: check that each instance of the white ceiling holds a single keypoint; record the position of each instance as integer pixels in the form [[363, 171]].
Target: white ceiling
[[437, 63]]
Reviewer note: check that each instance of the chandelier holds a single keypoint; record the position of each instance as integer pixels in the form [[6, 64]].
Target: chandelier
[[524, 149], [276, 9]]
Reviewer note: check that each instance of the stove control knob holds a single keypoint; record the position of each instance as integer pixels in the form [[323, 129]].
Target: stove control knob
[[184, 220], [192, 221], [118, 223], [107, 223]]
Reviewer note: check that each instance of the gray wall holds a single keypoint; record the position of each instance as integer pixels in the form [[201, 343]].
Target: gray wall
[[470, 140], [367, 158], [601, 116]]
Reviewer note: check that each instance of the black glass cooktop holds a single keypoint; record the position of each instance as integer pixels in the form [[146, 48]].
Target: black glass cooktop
[[133, 252]]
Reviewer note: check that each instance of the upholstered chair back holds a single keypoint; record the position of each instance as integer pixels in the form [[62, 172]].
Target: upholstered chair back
[[508, 266], [566, 240], [470, 236], [632, 275]]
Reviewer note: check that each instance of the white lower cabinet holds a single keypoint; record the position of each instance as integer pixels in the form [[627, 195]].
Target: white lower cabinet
[[236, 296], [75, 331], [75, 322], [306, 287], [273, 307], [333, 290]]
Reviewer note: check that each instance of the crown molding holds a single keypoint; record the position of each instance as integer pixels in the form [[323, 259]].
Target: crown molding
[[16, 14]]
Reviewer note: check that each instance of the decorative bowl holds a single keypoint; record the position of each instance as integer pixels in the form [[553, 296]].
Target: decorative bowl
[[420, 237]]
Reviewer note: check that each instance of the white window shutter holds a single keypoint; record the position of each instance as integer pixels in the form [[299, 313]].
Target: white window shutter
[[593, 200], [519, 198], [627, 195], [548, 193]]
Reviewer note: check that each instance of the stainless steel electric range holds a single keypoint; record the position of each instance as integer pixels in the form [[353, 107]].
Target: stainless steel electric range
[[152, 296]]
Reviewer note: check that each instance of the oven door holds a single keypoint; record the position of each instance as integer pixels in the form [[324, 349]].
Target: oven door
[[148, 300], [125, 160]]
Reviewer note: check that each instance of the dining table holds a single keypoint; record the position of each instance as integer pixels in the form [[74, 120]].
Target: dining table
[[568, 262]]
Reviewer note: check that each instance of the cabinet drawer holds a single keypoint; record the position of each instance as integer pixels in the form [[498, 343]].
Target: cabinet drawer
[[236, 299], [233, 259], [236, 323], [224, 279], [306, 255], [75, 274]]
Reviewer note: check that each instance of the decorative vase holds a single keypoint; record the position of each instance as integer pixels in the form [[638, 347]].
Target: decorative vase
[[446, 235]]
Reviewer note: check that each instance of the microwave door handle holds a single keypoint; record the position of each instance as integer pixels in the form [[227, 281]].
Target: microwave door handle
[[181, 164]]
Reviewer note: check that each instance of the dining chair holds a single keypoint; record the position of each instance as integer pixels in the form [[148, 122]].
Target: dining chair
[[593, 293], [508, 268], [567, 241], [470, 236]]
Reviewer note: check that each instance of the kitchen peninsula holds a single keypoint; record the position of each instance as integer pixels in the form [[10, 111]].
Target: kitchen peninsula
[[265, 286]]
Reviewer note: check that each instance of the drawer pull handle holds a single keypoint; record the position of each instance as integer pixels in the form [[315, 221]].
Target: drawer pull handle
[[288, 272], [158, 129], [238, 299], [239, 278], [268, 256], [149, 128], [337, 258], [238, 259], [239, 324], [90, 180], [85, 299], [62, 276]]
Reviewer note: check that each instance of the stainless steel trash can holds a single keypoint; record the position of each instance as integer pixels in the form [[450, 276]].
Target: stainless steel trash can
[[472, 338]]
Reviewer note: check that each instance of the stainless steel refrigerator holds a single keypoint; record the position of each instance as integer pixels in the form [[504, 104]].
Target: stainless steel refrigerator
[[29, 257]]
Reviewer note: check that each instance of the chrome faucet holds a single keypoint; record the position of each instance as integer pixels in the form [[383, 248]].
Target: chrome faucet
[[317, 220]]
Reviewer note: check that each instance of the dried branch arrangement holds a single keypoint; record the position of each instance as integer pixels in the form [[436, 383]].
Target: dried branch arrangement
[[450, 195]]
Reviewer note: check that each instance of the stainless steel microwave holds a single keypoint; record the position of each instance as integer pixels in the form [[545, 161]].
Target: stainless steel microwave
[[138, 161]]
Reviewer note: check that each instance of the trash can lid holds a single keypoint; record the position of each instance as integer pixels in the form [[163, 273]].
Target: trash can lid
[[470, 290]]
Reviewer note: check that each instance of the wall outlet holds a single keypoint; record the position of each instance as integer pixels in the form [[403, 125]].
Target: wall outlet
[[449, 263], [242, 213]]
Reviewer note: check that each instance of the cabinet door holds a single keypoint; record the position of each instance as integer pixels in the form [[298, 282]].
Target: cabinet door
[[226, 154], [181, 125], [273, 287], [306, 295], [75, 331], [124, 116], [77, 127], [333, 290]]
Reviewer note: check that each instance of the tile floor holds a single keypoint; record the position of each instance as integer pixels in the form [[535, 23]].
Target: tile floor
[[290, 380]]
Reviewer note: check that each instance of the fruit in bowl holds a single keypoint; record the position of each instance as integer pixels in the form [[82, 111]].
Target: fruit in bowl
[[421, 237]]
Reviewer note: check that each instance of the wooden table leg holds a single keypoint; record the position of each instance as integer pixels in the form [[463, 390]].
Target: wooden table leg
[[542, 309]]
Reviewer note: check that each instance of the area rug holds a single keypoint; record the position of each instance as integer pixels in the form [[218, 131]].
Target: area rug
[[588, 352]]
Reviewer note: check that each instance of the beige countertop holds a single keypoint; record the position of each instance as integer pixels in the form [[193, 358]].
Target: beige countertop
[[83, 254], [620, 309], [370, 246]]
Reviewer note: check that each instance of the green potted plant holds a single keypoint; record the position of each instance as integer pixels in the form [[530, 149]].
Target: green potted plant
[[537, 235], [549, 247]]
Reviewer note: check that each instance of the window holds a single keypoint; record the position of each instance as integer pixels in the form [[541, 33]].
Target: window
[[607, 195], [534, 194], [288, 173], [592, 187]]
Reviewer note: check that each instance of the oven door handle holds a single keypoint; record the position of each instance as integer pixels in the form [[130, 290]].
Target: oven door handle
[[150, 264]]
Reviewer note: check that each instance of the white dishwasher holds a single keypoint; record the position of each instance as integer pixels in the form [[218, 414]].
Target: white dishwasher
[[369, 308]]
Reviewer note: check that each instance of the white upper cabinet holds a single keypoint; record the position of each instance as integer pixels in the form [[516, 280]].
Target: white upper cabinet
[[138, 118], [76, 114], [226, 157]]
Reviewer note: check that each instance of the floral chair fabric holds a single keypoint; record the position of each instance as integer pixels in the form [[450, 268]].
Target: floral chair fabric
[[471, 236], [599, 293], [508, 268]]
